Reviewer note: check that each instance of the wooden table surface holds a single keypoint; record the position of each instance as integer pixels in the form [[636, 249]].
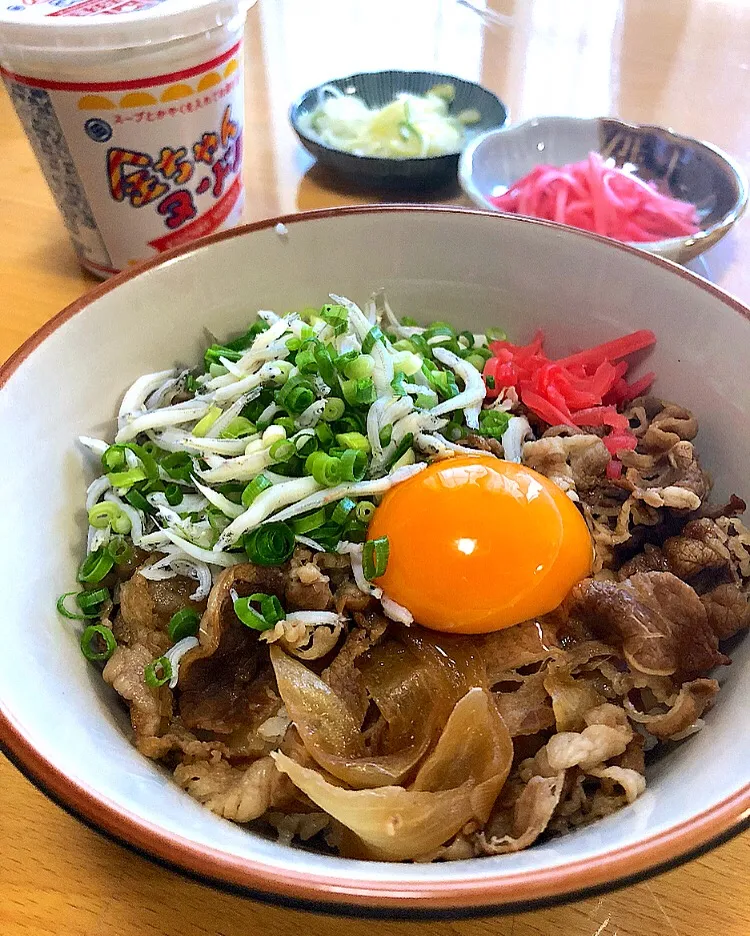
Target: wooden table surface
[[682, 63]]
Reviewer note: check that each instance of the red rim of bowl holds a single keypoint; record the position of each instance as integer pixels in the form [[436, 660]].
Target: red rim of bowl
[[468, 895]]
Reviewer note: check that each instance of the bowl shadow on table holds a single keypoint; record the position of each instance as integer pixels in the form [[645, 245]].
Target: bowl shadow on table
[[348, 190]]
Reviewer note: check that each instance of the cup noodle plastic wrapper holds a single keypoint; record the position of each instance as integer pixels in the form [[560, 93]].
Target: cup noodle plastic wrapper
[[134, 109]]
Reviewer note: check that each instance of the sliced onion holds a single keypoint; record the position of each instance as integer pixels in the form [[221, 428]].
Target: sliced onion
[[459, 783]]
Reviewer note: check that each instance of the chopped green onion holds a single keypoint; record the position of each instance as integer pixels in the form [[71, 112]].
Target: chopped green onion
[[95, 566], [484, 353], [256, 487], [403, 344], [126, 479], [296, 395], [467, 338], [490, 381], [306, 442], [359, 392], [352, 465], [90, 602], [421, 347], [350, 422], [476, 360], [270, 544], [191, 384], [495, 334], [282, 450], [385, 434], [286, 423], [308, 522], [397, 384], [152, 487], [375, 557], [270, 611], [173, 494], [365, 510], [439, 330], [294, 468], [306, 361], [120, 550], [373, 335], [70, 615], [178, 465], [361, 367], [183, 623], [344, 359], [323, 468], [323, 434], [98, 642], [204, 424], [158, 673], [113, 458], [107, 514], [453, 431], [238, 428], [152, 449], [336, 316], [136, 499], [444, 382], [326, 367], [408, 322], [333, 410], [353, 440], [328, 536], [215, 352], [342, 511], [493, 423], [146, 458], [426, 399], [402, 448], [407, 363]]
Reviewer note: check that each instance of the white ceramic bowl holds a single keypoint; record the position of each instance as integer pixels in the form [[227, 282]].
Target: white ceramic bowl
[[683, 167], [62, 725]]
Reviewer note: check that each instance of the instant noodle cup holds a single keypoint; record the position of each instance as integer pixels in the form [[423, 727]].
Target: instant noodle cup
[[134, 109]]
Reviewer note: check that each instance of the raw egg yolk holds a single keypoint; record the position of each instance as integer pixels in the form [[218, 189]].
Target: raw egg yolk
[[479, 544]]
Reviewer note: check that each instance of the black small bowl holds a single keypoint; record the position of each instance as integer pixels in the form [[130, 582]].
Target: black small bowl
[[377, 89]]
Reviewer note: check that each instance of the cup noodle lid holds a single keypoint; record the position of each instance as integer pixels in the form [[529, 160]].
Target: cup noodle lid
[[77, 25]]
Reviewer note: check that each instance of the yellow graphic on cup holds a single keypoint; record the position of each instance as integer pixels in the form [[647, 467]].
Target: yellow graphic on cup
[[175, 92], [209, 81], [138, 99], [96, 102]]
